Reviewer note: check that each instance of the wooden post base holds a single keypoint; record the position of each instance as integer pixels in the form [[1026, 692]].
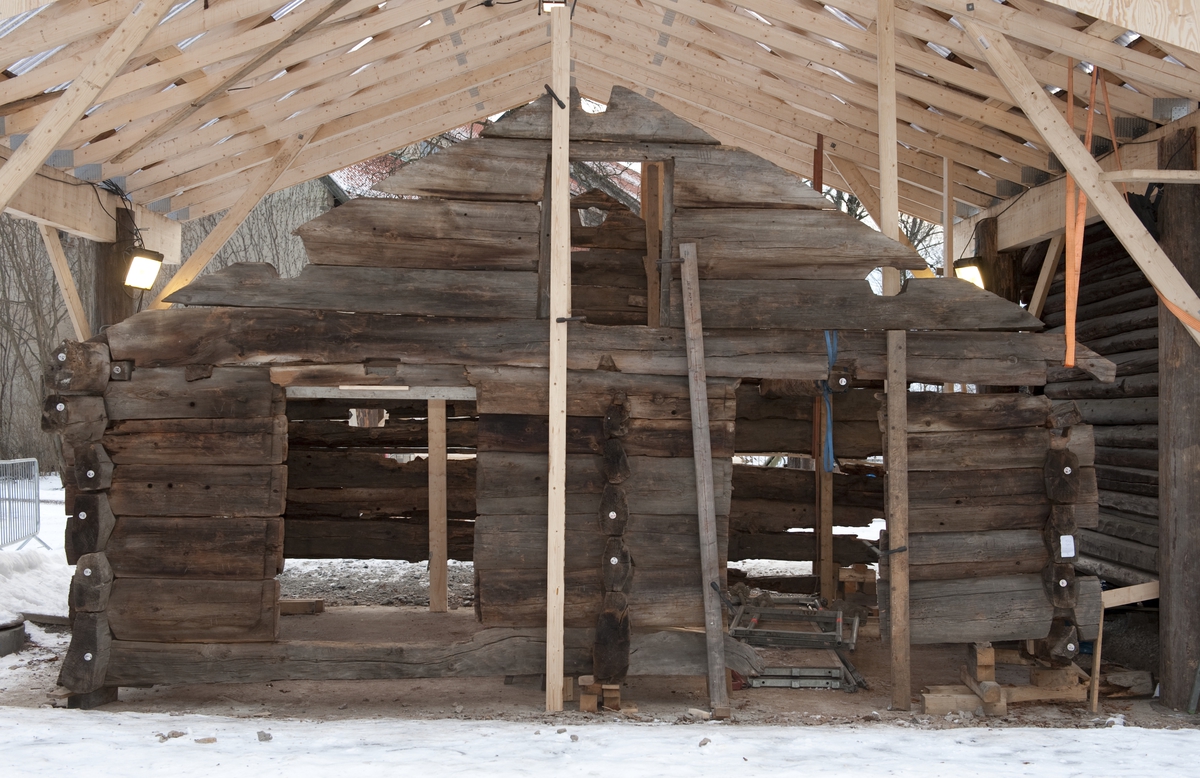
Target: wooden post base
[[102, 696]]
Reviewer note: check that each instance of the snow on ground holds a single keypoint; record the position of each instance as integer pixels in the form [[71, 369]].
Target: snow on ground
[[45, 741], [36, 579]]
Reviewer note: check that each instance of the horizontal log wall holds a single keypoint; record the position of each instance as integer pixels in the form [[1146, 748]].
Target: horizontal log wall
[[1117, 317], [993, 488]]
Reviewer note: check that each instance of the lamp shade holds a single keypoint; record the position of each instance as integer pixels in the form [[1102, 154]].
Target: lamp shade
[[143, 268]]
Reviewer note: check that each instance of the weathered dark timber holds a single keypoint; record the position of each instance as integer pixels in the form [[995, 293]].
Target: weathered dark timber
[[614, 510], [388, 538], [851, 439], [1130, 503], [1179, 467], [257, 335], [519, 542], [1145, 385], [616, 566], [89, 523], [617, 421], [302, 410], [853, 405], [413, 292], [203, 547], [979, 610], [77, 419], [784, 244], [952, 555], [1064, 478], [1112, 572], [217, 441], [979, 500], [1117, 323], [1131, 436], [516, 483], [1134, 528], [76, 367], [490, 653], [476, 169], [961, 412], [198, 490], [91, 584], [399, 434], [1098, 290], [629, 117], [1128, 364], [344, 469], [616, 461], [166, 393], [426, 233], [1129, 301], [926, 304], [585, 435], [90, 468], [1131, 410], [1144, 458], [1135, 340], [1119, 550], [992, 449], [610, 656], [194, 611], [86, 663]]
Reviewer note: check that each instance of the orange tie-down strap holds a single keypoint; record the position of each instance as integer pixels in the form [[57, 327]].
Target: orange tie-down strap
[[1180, 314]]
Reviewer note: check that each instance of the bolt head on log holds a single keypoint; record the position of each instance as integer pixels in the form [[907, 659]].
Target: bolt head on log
[[616, 420], [77, 419], [121, 370], [92, 468], [616, 567], [1059, 582], [1062, 644], [1063, 477], [78, 368], [614, 510]]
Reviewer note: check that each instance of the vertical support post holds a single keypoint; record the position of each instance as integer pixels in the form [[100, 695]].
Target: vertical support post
[[113, 301], [652, 215], [1179, 438], [1046, 277], [560, 310], [889, 162], [826, 571], [710, 561], [438, 541], [544, 242], [896, 460], [818, 179], [66, 282], [948, 255], [667, 196]]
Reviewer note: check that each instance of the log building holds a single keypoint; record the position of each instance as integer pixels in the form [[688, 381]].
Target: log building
[[207, 442]]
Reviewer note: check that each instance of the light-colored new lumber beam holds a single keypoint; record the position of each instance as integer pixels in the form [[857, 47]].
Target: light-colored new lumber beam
[[225, 228], [25, 161], [1172, 21], [1078, 161], [560, 311], [66, 282], [1046, 276], [1151, 176], [438, 541], [862, 189], [948, 209], [1121, 60], [889, 173], [303, 24]]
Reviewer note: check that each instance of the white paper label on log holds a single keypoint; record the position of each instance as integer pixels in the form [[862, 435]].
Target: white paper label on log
[[1066, 544]]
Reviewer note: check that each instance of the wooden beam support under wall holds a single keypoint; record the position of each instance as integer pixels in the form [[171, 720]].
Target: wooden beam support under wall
[[896, 461], [78, 97], [560, 311], [438, 541], [710, 561], [652, 216], [889, 165], [1179, 440], [1046, 276], [66, 282], [1078, 161], [233, 218]]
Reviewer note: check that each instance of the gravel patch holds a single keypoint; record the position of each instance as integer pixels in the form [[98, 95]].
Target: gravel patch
[[372, 582]]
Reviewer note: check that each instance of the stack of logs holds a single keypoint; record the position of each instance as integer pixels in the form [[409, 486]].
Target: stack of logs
[[174, 489], [1117, 317], [999, 485], [350, 498]]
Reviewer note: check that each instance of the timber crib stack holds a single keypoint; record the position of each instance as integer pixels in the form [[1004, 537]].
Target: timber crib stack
[[175, 486], [199, 480], [1000, 485], [1117, 317]]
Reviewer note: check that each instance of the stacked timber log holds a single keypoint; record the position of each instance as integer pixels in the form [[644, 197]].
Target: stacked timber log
[[357, 492], [608, 273], [645, 476], [1000, 485], [174, 489], [1117, 317]]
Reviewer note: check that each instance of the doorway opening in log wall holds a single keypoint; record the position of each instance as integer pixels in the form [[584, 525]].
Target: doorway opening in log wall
[[360, 491]]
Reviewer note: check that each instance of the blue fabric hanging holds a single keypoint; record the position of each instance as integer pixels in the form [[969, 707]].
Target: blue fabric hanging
[[831, 348]]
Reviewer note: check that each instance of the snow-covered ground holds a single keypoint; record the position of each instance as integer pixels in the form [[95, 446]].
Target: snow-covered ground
[[55, 742], [36, 579]]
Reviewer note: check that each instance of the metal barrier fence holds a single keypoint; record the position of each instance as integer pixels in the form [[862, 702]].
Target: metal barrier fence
[[20, 502]]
